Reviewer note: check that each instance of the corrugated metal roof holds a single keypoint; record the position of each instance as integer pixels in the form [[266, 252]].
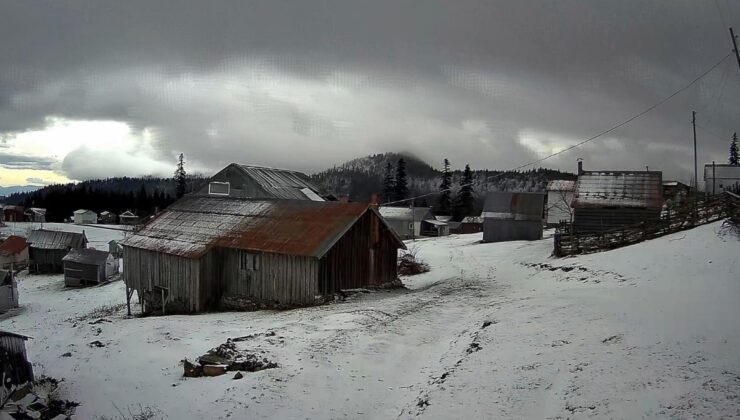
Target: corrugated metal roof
[[13, 245], [404, 213], [639, 189], [87, 256], [514, 205], [561, 185], [282, 183], [195, 224], [54, 239]]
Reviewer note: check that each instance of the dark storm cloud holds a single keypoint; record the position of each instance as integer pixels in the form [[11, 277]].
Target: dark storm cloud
[[307, 84]]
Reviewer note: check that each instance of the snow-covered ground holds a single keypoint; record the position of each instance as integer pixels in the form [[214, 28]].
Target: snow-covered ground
[[493, 331]]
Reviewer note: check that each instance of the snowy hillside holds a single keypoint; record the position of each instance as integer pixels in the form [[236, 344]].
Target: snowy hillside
[[492, 331]]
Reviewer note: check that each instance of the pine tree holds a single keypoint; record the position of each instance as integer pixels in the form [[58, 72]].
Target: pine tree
[[181, 176], [444, 204], [464, 201], [734, 154], [400, 186], [388, 183]]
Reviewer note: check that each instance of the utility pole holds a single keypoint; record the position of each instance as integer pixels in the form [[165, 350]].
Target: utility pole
[[696, 170], [734, 45]]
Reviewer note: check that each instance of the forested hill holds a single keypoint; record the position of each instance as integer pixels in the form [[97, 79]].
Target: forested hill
[[140, 195], [360, 178]]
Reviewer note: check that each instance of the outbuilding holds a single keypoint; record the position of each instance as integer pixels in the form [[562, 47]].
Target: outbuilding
[[406, 221], [36, 215], [513, 216], [47, 248], [88, 266], [14, 252], [435, 227], [469, 224], [8, 291], [107, 218], [16, 369], [84, 217], [13, 213], [128, 218], [559, 200]]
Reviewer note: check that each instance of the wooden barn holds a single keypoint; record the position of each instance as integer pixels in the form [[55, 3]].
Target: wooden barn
[[88, 266], [35, 214], [107, 218], [208, 252], [513, 216], [47, 248], [128, 218], [469, 224], [247, 181], [16, 369], [13, 252], [84, 217], [406, 221], [605, 200], [13, 213], [8, 291]]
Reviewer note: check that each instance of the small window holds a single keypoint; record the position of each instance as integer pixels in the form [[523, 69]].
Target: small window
[[411, 226], [219, 188], [248, 261]]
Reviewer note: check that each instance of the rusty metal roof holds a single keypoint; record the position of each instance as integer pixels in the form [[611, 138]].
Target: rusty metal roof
[[13, 245], [195, 224], [282, 183], [640, 189], [54, 239], [87, 256]]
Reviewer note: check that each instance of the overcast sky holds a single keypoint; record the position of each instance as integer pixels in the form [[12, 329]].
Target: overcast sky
[[108, 88]]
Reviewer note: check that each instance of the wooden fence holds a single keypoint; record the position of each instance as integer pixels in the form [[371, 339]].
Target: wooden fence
[[690, 214]]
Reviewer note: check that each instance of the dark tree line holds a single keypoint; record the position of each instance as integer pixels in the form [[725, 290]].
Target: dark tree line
[[395, 188]]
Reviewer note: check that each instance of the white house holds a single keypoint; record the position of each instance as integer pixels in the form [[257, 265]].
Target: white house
[[719, 177], [85, 217], [559, 198]]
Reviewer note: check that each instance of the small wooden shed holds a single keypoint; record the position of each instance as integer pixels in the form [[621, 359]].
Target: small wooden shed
[[13, 213], [16, 369], [128, 218], [88, 266], [84, 217], [36, 215], [14, 252], [8, 291], [406, 221], [513, 216], [48, 247], [107, 218]]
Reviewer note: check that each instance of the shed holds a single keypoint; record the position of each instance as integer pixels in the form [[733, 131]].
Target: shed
[[559, 199], [107, 218], [720, 177], [257, 182], [207, 252], [8, 291], [128, 218], [513, 216], [606, 200], [88, 266], [406, 221], [469, 224], [84, 217], [35, 214], [48, 247], [13, 213], [14, 251], [16, 369], [675, 192], [435, 227]]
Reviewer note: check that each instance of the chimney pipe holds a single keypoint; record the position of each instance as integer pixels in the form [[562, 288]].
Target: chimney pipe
[[580, 166]]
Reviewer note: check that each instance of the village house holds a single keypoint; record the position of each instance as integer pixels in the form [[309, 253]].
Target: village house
[[469, 224], [84, 217], [406, 221], [721, 177], [13, 252], [675, 192], [254, 182], [47, 248], [513, 216], [16, 368], [13, 213], [8, 291], [35, 214], [128, 218], [559, 198], [434, 227], [606, 200], [107, 218], [88, 266]]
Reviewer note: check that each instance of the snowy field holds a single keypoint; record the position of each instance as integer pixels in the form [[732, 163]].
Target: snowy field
[[493, 331]]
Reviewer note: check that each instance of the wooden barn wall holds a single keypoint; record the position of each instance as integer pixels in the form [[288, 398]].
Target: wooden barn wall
[[47, 260], [76, 273], [13, 362], [600, 219], [146, 269], [502, 230], [19, 258], [366, 255], [211, 284], [282, 279]]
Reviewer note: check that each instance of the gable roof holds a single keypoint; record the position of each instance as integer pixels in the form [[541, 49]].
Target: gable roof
[[10, 334], [126, 214], [13, 245], [405, 213], [195, 224], [637, 189], [83, 211], [514, 205], [281, 183], [87, 256], [55, 239]]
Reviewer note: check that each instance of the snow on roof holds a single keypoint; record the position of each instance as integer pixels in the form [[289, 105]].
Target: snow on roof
[[83, 211], [405, 213], [561, 185], [443, 218], [38, 211], [436, 222], [282, 183], [514, 205], [13, 245], [195, 224], [640, 189], [55, 239], [473, 219], [126, 214], [10, 334], [87, 256]]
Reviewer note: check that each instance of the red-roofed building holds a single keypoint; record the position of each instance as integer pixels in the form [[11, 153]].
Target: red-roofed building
[[14, 250]]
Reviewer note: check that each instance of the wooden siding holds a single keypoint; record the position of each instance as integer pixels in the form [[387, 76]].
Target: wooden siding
[[16, 370], [501, 230], [77, 274], [366, 255], [280, 279], [181, 277], [47, 260], [597, 219]]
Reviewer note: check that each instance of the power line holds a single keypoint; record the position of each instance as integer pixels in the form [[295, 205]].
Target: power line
[[581, 143]]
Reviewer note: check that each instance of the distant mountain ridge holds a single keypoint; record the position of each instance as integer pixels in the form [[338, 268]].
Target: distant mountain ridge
[[15, 189]]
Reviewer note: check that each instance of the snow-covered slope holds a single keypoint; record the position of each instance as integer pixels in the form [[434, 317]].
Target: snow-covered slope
[[493, 331]]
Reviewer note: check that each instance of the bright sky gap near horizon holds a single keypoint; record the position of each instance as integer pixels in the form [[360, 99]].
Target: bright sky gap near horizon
[[122, 88]]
